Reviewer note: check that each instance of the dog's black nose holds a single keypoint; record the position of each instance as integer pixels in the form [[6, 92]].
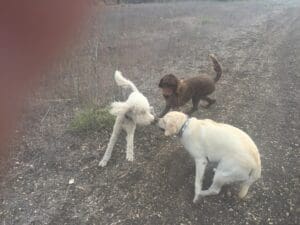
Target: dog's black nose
[[155, 121]]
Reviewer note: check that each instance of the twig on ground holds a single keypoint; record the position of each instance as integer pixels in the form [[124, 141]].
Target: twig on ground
[[44, 117]]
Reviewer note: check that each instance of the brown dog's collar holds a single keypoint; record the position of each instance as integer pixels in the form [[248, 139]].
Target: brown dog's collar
[[184, 126]]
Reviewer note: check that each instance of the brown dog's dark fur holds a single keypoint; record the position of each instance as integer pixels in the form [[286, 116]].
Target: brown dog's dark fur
[[178, 92]]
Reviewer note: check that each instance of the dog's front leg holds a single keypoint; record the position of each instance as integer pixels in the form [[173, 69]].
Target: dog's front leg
[[167, 109], [200, 169], [112, 141], [129, 139]]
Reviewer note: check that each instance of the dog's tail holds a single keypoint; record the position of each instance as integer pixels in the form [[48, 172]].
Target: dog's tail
[[217, 67], [122, 81], [255, 173]]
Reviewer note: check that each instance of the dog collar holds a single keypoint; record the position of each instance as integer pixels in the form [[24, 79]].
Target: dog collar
[[184, 126]]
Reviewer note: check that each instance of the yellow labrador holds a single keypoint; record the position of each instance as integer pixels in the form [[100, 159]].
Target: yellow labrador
[[237, 155]]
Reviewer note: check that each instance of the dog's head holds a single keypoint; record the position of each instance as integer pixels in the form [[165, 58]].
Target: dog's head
[[172, 122], [136, 108], [168, 84]]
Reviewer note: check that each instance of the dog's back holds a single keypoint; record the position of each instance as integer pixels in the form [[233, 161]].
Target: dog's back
[[178, 92], [198, 86], [201, 85], [226, 141]]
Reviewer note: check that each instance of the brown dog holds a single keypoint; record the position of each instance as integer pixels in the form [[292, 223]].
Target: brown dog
[[178, 92]]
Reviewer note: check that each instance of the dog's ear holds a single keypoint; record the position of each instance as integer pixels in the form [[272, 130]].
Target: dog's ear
[[172, 81], [161, 83], [169, 81], [119, 108], [170, 129]]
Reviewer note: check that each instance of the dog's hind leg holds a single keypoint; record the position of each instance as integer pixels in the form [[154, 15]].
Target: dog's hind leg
[[130, 129], [225, 176], [112, 141], [219, 180]]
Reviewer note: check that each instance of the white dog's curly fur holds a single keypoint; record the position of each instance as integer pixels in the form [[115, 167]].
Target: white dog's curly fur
[[136, 110], [237, 155]]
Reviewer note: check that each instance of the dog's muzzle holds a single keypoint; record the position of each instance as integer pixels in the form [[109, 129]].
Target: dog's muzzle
[[155, 121], [166, 96]]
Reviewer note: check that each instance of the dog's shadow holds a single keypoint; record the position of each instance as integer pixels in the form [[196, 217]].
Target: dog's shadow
[[180, 175], [181, 171]]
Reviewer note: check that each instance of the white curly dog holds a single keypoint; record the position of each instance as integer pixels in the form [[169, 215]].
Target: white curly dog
[[136, 110], [237, 155]]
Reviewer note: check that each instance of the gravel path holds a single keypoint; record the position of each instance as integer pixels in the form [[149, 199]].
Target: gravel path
[[258, 44]]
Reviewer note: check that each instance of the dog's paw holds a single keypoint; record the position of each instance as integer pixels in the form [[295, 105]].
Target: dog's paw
[[196, 199], [212, 101], [103, 163], [130, 157]]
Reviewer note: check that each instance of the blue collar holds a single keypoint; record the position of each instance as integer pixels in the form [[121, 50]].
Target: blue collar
[[184, 126]]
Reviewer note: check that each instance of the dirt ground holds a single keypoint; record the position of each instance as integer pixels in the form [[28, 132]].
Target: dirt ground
[[258, 45]]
